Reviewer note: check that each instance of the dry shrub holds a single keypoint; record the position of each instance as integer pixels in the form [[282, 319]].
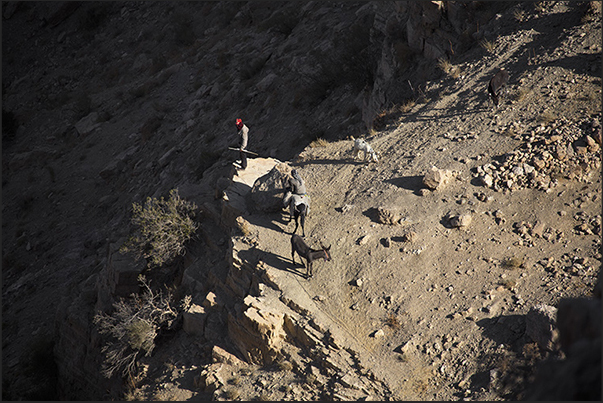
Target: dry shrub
[[448, 68], [319, 142], [487, 45], [264, 397], [519, 15], [545, 117], [162, 227], [444, 65], [522, 94], [393, 321], [407, 106], [512, 262], [284, 365], [509, 284], [132, 328], [243, 226]]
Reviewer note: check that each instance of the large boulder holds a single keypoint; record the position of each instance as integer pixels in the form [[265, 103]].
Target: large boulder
[[541, 326], [267, 191], [437, 178]]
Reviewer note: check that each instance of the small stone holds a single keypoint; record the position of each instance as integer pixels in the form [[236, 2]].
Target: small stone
[[358, 282], [363, 240], [486, 180], [461, 220], [538, 229], [378, 333]]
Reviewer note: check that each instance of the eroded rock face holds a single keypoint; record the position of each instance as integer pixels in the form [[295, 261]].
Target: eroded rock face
[[257, 331]]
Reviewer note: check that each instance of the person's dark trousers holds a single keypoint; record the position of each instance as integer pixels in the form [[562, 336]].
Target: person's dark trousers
[[243, 159]]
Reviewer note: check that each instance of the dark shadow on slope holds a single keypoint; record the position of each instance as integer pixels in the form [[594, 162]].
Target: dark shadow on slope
[[325, 161], [273, 260], [580, 64], [508, 330], [373, 214], [266, 220], [413, 183], [544, 42]]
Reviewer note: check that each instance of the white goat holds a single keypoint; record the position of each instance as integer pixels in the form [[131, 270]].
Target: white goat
[[361, 145]]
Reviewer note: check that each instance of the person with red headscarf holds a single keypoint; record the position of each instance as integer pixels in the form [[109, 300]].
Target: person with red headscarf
[[243, 132]]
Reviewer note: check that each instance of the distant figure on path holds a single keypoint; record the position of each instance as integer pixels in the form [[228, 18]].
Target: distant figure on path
[[243, 132]]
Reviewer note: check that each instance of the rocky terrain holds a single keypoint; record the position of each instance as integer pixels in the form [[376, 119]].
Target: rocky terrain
[[465, 263]]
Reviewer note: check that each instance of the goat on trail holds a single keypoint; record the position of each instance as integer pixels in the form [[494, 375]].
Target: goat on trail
[[299, 208], [496, 84], [369, 153], [303, 250]]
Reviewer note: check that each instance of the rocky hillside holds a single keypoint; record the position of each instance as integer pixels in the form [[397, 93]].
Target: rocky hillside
[[464, 263]]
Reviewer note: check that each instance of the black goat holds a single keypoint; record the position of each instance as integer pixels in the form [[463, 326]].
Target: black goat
[[496, 84], [303, 250]]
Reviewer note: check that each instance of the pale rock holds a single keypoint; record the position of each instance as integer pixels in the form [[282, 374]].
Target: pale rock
[[378, 333], [218, 354], [486, 180], [437, 178], [268, 190], [87, 124], [461, 220], [363, 240]]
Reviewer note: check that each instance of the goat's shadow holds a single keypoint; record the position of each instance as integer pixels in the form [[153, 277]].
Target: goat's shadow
[[253, 256], [414, 183], [323, 161]]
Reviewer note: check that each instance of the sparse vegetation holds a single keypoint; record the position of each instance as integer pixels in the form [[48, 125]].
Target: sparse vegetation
[[132, 328], [319, 142], [519, 15], [522, 93], [407, 106], [162, 227], [393, 321], [508, 283], [512, 262], [284, 365], [446, 66], [487, 45], [546, 117]]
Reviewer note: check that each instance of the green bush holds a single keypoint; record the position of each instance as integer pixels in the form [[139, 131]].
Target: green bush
[[162, 227]]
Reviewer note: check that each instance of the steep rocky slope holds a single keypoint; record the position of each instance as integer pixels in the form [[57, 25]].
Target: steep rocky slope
[[105, 104]]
